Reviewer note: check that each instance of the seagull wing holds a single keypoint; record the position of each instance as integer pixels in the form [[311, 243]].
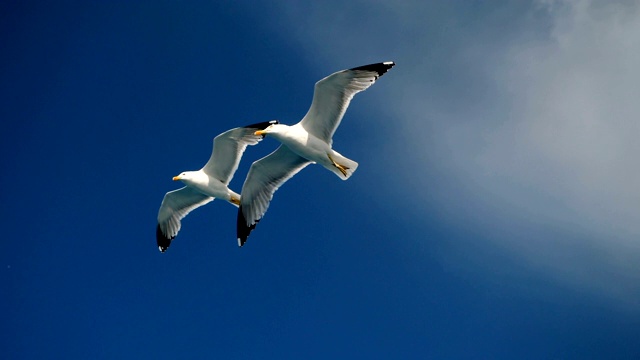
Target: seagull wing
[[175, 206], [332, 95], [228, 148], [265, 177]]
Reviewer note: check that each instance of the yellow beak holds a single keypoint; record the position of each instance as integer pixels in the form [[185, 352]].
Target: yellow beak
[[176, 178], [259, 132]]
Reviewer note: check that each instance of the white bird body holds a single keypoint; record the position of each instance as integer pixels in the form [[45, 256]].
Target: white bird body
[[309, 141], [310, 147], [209, 186], [206, 184]]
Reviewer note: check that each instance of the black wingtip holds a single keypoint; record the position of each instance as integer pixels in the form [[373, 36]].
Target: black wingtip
[[162, 241], [261, 125], [243, 230], [380, 68]]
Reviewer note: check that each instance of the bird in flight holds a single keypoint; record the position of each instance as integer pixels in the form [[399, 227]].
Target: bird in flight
[[309, 141], [210, 182]]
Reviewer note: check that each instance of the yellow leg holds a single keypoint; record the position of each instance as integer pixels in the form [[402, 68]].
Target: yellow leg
[[343, 169], [234, 200]]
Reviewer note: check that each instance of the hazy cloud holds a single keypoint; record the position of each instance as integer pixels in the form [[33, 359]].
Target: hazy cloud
[[522, 121]]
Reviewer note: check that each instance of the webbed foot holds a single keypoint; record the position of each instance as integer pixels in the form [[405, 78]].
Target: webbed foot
[[343, 169]]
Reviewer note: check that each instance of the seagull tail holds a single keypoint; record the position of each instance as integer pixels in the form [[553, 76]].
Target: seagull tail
[[348, 166]]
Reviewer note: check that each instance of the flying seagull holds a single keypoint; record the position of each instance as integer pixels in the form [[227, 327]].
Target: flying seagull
[[210, 182], [304, 143]]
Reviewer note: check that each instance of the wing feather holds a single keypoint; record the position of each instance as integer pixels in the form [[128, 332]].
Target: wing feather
[[228, 148], [332, 95], [175, 206], [265, 177]]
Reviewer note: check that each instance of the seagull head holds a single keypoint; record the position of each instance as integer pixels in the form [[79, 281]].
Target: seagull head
[[193, 178], [183, 176], [272, 129]]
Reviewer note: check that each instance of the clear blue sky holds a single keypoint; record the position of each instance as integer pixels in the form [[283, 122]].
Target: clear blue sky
[[494, 213]]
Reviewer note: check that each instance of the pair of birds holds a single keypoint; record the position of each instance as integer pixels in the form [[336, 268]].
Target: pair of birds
[[304, 143]]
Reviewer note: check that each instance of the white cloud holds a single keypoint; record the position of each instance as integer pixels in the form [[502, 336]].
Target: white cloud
[[569, 151], [522, 117], [561, 150], [574, 113]]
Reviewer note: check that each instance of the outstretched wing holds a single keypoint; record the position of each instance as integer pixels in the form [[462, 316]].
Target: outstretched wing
[[175, 206], [332, 96], [228, 148], [265, 177]]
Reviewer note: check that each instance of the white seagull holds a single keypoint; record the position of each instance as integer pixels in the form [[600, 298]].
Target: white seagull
[[210, 182], [304, 143]]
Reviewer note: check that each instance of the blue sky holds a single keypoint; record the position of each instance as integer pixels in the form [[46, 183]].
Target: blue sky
[[493, 214]]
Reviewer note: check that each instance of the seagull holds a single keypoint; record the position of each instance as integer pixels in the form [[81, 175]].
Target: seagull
[[210, 182], [307, 142]]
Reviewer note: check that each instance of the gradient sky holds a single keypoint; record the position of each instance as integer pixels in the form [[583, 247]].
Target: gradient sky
[[494, 213]]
